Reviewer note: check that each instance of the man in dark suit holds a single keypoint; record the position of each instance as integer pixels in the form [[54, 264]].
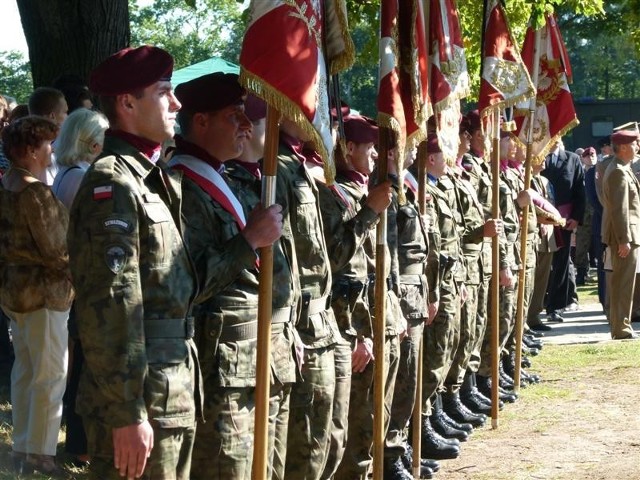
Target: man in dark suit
[[566, 175]]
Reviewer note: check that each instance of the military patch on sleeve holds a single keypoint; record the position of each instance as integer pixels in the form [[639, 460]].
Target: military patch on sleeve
[[115, 223], [115, 257]]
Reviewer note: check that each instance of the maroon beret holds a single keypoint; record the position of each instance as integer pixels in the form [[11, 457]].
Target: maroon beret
[[131, 69], [624, 137], [588, 152], [360, 129], [465, 126], [255, 108], [211, 92], [473, 121], [433, 146]]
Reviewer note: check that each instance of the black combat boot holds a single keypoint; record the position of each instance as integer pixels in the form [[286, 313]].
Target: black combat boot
[[441, 424], [457, 411], [394, 470], [532, 342], [407, 459], [484, 385], [471, 397], [506, 381], [425, 470], [509, 363], [434, 446]]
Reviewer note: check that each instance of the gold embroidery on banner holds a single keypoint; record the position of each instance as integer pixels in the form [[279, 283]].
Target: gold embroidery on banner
[[551, 80], [308, 14], [507, 77]]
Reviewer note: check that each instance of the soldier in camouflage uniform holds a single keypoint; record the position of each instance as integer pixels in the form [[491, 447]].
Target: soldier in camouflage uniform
[[244, 174], [480, 178], [311, 404], [473, 230], [350, 212], [213, 130], [414, 268], [135, 282]]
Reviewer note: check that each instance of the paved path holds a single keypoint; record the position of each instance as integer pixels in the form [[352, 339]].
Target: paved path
[[586, 325]]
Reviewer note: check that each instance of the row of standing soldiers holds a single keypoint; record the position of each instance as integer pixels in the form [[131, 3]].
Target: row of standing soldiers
[[164, 263]]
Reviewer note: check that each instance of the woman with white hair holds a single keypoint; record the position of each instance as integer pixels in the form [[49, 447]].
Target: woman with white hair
[[79, 143]]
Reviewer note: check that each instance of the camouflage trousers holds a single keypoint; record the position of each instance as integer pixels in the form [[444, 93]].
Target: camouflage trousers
[[224, 442], [357, 459], [441, 340], [506, 322], [170, 457], [482, 318], [468, 331], [404, 395], [310, 416], [583, 241], [530, 274], [340, 420], [279, 397]]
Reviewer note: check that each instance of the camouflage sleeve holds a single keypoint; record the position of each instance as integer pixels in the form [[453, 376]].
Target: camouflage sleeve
[[344, 236], [109, 301], [392, 237], [48, 222], [218, 262], [433, 256]]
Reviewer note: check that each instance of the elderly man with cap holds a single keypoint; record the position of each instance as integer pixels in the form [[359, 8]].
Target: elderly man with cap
[[214, 129], [584, 249], [135, 281], [621, 217], [244, 175]]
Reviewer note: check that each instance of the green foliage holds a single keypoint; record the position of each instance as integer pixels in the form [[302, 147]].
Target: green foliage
[[15, 76], [191, 30]]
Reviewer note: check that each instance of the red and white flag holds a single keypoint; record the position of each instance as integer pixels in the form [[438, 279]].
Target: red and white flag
[[505, 80], [449, 77], [555, 113], [403, 104], [282, 61]]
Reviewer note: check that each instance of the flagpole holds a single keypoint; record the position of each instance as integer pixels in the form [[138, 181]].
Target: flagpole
[[417, 407], [525, 220], [495, 265], [380, 291], [263, 362]]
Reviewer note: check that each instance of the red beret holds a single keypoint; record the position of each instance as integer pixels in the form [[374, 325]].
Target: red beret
[[131, 69], [255, 108], [360, 129], [588, 151], [473, 121], [465, 126], [624, 137], [211, 92], [433, 146]]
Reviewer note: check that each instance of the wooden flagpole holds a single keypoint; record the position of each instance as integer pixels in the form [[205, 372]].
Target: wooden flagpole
[[495, 265], [263, 362], [525, 220], [380, 291]]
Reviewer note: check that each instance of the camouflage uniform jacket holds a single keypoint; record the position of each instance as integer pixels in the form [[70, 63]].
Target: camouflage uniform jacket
[[446, 185], [409, 243], [348, 226], [135, 283], [481, 179], [286, 296], [226, 322], [303, 239], [472, 228], [516, 179], [509, 257]]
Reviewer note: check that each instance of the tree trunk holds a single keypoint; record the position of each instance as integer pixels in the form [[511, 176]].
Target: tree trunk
[[72, 36]]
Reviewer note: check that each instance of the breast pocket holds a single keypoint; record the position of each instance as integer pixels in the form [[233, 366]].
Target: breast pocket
[[159, 241], [305, 209]]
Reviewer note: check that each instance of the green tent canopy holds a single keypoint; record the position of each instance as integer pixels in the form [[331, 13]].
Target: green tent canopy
[[214, 64]]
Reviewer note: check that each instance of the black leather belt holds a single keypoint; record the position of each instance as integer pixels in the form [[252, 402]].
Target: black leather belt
[[169, 328]]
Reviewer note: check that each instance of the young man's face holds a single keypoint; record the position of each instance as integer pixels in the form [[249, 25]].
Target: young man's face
[[155, 112], [60, 114]]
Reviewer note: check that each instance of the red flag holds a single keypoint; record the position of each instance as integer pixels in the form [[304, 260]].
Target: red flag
[[282, 61], [555, 113], [403, 94], [505, 80], [449, 76]]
